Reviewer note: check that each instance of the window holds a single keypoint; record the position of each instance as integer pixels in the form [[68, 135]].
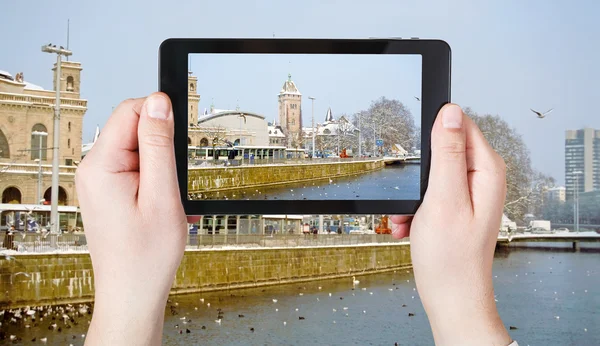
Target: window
[[69, 143], [69, 162], [4, 149], [191, 86], [39, 142], [70, 83], [69, 126]]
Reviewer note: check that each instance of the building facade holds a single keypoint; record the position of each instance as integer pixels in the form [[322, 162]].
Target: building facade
[[290, 113], [582, 161], [26, 136], [556, 194]]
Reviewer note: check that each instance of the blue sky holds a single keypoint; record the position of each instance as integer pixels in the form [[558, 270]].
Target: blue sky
[[346, 83], [508, 55]]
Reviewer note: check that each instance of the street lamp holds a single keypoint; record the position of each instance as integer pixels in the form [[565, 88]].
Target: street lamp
[[576, 200], [60, 51], [312, 99], [40, 134]]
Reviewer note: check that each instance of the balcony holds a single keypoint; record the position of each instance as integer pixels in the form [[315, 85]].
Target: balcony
[[34, 100], [33, 168]]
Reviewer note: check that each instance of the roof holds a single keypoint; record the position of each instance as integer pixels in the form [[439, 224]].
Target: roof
[[275, 131], [330, 127], [329, 115], [217, 113], [7, 75], [289, 87], [32, 86]]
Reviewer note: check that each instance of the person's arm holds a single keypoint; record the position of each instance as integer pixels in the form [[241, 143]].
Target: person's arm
[[134, 221], [453, 234]]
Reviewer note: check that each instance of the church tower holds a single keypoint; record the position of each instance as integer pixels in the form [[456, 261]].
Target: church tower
[[290, 113], [193, 100], [70, 77]]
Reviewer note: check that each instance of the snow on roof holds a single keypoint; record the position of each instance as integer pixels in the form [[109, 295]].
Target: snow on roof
[[289, 87], [32, 86], [6, 74], [275, 131]]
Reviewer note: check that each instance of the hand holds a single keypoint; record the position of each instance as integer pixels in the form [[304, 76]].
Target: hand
[[134, 221], [453, 234]]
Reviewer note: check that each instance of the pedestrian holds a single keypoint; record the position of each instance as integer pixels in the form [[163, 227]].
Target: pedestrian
[[462, 206], [9, 238]]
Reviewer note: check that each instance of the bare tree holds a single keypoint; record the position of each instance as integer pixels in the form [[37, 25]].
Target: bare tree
[[216, 135], [510, 146], [386, 119]]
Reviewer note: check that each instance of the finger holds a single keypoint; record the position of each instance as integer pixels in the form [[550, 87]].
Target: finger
[[158, 178], [487, 171], [399, 219], [193, 219], [116, 149], [402, 230], [448, 184]]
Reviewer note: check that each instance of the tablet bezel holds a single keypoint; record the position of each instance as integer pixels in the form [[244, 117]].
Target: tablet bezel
[[173, 78]]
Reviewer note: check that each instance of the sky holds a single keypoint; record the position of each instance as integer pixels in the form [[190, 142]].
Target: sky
[[346, 83], [507, 56]]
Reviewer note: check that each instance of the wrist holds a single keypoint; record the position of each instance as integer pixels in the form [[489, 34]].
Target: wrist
[[473, 321]]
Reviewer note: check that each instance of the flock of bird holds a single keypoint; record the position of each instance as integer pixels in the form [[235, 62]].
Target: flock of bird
[[55, 318], [326, 190]]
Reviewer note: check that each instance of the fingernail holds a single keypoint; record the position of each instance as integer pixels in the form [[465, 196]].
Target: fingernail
[[452, 117], [157, 107]]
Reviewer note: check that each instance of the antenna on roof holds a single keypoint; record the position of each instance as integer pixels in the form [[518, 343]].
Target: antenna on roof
[[68, 27]]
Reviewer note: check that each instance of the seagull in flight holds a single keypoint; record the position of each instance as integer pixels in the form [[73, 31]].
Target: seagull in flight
[[542, 115], [418, 99]]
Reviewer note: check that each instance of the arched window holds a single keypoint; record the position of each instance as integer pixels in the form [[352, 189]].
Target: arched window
[[4, 149], [39, 143], [11, 195], [236, 142], [62, 195], [69, 126], [326, 131], [191, 86], [189, 141], [204, 142], [69, 143], [70, 83]]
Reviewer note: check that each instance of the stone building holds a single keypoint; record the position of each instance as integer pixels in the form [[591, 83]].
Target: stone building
[[27, 110], [290, 113]]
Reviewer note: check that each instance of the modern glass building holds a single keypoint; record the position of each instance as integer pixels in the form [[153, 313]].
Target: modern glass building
[[582, 161]]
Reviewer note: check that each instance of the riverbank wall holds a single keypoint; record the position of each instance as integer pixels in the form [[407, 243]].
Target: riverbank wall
[[68, 278], [216, 179]]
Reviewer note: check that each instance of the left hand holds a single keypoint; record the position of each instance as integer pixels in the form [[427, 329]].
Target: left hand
[[134, 221]]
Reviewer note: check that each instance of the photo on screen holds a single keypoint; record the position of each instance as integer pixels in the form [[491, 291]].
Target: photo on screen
[[304, 127]]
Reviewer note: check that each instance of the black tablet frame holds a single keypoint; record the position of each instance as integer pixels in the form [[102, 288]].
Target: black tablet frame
[[173, 77]]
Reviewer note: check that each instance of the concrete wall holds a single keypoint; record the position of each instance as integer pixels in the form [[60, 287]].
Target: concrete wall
[[68, 278], [227, 178]]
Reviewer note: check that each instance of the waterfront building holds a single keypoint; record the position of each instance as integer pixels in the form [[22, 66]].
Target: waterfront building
[[249, 224], [556, 194], [290, 113], [582, 161], [332, 135], [26, 137]]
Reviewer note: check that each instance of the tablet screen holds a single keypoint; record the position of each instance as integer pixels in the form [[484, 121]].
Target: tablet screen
[[304, 127]]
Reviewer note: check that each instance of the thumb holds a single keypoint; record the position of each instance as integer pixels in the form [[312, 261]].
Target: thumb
[[448, 182], [158, 177]]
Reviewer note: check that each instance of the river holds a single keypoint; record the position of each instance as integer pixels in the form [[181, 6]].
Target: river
[[533, 286], [394, 182]]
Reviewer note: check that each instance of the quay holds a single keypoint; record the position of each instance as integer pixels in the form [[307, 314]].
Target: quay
[[226, 178]]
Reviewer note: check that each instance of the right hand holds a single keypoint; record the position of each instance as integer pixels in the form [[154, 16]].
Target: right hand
[[453, 234]]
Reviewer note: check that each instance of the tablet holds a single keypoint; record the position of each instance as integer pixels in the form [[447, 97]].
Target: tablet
[[303, 126]]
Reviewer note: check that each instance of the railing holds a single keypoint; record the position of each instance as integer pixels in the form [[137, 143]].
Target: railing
[[193, 163], [43, 243], [44, 100], [34, 168], [37, 243]]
